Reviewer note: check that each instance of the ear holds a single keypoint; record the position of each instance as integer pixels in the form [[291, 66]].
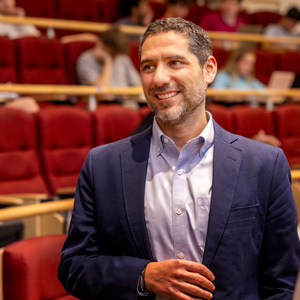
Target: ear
[[210, 69]]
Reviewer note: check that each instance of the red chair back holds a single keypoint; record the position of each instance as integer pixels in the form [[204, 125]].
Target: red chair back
[[20, 170], [65, 135], [222, 115], [30, 269]]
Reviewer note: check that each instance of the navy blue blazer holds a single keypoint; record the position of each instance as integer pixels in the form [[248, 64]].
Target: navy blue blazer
[[252, 245]]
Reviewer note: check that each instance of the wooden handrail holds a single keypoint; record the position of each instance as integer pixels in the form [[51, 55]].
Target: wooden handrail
[[131, 91], [26, 211], [99, 27], [295, 174]]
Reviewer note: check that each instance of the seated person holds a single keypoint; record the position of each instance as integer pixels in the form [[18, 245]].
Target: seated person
[[108, 63], [136, 13], [226, 19], [14, 31], [177, 8], [285, 27], [238, 72]]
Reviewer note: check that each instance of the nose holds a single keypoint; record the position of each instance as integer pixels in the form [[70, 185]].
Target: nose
[[161, 76]]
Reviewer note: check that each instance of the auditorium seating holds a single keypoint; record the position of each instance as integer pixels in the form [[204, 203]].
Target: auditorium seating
[[114, 122], [248, 121], [20, 170], [47, 61], [65, 137], [265, 17], [41, 61], [40, 9], [29, 269], [222, 115], [287, 120], [8, 69]]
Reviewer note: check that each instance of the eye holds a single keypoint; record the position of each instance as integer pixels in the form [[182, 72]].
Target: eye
[[175, 63], [147, 68]]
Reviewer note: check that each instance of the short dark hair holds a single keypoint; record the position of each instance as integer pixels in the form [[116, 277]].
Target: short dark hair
[[293, 13], [115, 39], [126, 5], [199, 41]]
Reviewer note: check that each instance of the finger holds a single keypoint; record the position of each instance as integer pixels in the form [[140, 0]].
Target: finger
[[199, 280], [195, 291], [200, 269]]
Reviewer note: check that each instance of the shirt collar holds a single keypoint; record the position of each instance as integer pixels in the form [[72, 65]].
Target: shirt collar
[[207, 135]]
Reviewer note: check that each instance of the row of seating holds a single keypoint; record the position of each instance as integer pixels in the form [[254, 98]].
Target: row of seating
[[283, 122], [43, 153], [109, 11], [41, 60]]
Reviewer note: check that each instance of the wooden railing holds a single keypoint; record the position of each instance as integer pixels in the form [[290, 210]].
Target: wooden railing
[[25, 211], [99, 27]]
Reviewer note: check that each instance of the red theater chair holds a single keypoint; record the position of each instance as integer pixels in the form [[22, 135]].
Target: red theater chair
[[222, 115], [265, 18], [265, 64], [40, 9], [30, 269], [41, 61], [287, 119], [65, 135], [248, 121], [196, 12], [8, 71], [73, 50], [20, 170], [114, 122], [288, 61]]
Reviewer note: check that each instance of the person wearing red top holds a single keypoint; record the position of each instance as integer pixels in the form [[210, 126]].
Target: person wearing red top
[[227, 19]]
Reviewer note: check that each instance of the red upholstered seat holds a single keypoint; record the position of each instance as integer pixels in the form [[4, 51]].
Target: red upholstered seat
[[30, 269], [196, 12], [287, 119], [65, 135], [289, 61], [8, 72], [114, 122], [222, 115], [265, 17], [41, 60], [73, 50], [221, 56], [40, 9], [20, 170], [108, 11], [266, 63], [249, 120]]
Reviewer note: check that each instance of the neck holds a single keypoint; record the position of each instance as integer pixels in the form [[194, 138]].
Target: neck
[[183, 133]]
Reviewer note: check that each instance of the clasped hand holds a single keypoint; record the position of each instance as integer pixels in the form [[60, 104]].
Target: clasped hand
[[179, 279]]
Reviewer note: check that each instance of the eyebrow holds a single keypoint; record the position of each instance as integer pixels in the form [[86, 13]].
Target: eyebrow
[[146, 60]]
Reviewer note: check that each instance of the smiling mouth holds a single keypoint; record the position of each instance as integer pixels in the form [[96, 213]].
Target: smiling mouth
[[166, 96]]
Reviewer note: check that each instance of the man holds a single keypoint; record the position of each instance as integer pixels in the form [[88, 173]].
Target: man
[[183, 210]]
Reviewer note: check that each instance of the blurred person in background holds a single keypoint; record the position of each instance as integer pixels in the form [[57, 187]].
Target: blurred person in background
[[136, 13], [285, 27], [238, 73], [226, 19], [108, 63], [14, 31], [177, 8]]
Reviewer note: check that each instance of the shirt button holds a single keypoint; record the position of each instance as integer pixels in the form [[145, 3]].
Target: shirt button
[[166, 140], [178, 212], [203, 150], [158, 149], [181, 255], [179, 172]]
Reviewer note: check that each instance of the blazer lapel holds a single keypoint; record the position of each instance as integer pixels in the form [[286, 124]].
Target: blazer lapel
[[134, 166], [226, 166]]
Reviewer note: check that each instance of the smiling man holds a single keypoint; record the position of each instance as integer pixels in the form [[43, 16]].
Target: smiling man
[[185, 209]]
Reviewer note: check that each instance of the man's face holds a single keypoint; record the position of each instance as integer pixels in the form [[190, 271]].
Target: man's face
[[173, 81], [7, 6]]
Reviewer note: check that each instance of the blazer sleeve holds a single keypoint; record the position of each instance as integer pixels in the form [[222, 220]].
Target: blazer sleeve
[[85, 270], [279, 256]]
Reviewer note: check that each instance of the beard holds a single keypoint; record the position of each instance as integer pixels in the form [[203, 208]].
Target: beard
[[177, 115]]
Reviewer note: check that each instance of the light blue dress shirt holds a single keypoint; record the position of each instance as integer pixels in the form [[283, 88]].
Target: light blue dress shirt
[[178, 194]]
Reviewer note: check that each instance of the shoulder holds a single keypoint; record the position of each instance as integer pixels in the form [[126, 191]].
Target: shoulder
[[222, 80]]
